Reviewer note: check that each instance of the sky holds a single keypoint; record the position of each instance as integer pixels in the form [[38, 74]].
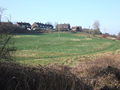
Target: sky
[[75, 12]]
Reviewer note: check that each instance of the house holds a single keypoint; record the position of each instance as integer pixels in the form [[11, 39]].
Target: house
[[41, 26], [48, 26], [37, 25], [86, 30], [63, 27], [76, 28], [24, 25]]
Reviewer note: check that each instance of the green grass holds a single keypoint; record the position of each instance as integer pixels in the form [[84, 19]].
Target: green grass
[[60, 48]]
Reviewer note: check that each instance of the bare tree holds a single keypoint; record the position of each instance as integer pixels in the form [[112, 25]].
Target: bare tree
[[1, 13], [49, 23], [55, 25], [96, 27], [6, 29], [118, 36]]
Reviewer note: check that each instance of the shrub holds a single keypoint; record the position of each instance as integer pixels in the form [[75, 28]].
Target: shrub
[[6, 30], [102, 73], [17, 77]]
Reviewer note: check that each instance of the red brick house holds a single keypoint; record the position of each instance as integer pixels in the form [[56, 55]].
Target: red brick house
[[41, 26], [63, 27]]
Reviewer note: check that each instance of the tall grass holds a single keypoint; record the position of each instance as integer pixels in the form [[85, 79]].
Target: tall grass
[[17, 77], [102, 73]]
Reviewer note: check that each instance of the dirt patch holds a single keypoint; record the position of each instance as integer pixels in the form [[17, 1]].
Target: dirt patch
[[75, 40]]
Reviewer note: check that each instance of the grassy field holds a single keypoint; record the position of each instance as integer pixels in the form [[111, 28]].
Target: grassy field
[[62, 48]]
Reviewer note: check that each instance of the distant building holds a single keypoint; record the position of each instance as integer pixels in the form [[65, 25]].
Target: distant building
[[24, 25], [41, 26], [48, 26], [63, 27], [86, 30], [77, 29]]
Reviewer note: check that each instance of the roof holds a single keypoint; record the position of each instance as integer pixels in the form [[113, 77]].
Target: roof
[[43, 24], [23, 23]]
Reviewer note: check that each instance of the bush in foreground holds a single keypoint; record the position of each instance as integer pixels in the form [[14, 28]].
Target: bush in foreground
[[6, 47], [17, 77], [102, 73]]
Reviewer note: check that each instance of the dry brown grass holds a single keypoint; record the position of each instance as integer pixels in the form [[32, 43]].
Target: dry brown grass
[[101, 73], [17, 77]]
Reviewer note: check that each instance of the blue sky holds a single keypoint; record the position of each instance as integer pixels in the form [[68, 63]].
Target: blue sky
[[75, 12]]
